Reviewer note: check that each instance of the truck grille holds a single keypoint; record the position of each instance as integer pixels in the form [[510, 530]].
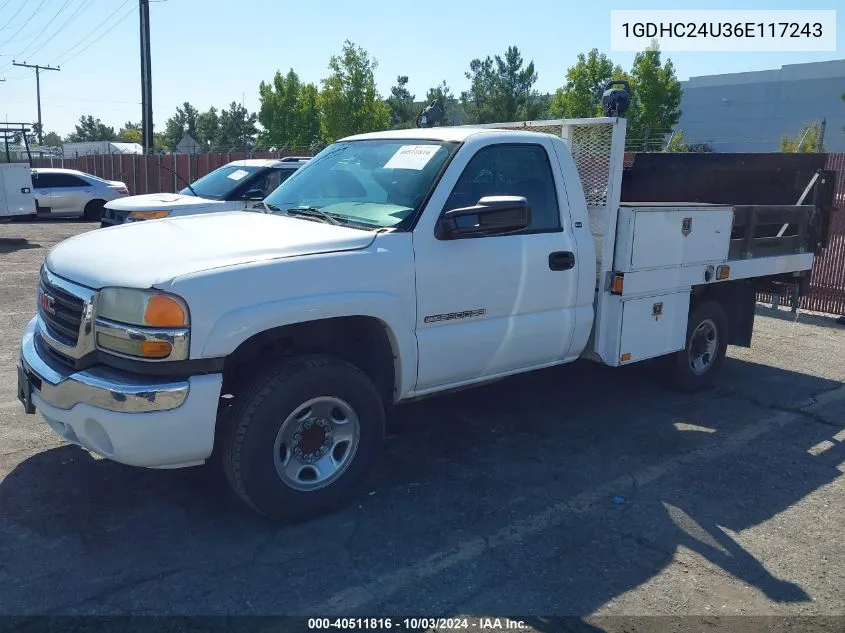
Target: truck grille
[[60, 311]]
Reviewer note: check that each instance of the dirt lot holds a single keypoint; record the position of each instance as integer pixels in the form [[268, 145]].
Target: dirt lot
[[580, 490]]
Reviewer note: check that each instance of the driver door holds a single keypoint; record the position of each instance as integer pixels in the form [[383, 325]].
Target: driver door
[[494, 305]]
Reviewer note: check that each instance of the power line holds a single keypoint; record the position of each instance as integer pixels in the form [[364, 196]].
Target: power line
[[25, 22], [84, 5], [106, 32], [46, 26], [12, 19], [64, 55]]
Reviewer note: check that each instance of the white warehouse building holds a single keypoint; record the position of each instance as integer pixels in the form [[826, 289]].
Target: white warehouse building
[[749, 112]]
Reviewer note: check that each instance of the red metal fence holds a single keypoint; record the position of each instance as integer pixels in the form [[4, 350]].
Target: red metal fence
[[148, 173], [827, 280]]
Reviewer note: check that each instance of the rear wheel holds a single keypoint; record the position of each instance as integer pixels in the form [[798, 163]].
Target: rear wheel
[[302, 436], [94, 210], [695, 367]]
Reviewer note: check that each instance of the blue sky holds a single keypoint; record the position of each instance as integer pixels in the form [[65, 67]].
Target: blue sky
[[211, 52]]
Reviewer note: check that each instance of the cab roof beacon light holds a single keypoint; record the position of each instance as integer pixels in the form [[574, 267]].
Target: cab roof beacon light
[[431, 115], [615, 101]]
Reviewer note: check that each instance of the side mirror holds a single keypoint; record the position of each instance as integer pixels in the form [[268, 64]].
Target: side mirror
[[493, 215]]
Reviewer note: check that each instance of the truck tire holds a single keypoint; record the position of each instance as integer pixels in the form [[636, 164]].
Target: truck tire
[[695, 367], [301, 438]]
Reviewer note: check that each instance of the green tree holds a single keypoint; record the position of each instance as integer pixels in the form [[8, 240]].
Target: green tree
[[130, 133], [401, 103], [808, 139], [208, 128], [181, 123], [443, 94], [349, 101], [585, 84], [237, 128], [160, 142], [656, 98], [308, 111], [501, 89], [51, 139], [91, 129], [288, 112]]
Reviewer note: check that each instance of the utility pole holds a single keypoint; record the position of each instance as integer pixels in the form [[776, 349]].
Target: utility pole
[[146, 79], [37, 90]]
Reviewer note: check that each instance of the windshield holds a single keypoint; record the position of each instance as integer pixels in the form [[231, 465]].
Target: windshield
[[218, 184], [374, 183]]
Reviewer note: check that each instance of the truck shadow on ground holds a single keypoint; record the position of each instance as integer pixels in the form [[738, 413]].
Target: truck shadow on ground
[[550, 493]]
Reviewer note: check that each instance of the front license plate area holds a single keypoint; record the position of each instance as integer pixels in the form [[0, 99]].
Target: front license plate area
[[25, 391]]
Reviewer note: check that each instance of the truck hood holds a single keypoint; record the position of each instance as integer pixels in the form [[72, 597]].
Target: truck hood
[[143, 254], [159, 202]]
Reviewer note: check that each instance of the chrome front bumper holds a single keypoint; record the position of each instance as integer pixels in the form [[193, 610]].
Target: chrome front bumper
[[99, 386]]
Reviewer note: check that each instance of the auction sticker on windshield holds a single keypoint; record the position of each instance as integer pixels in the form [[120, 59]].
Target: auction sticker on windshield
[[412, 157], [238, 174]]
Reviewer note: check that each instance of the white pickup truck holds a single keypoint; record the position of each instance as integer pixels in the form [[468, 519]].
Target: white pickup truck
[[394, 265]]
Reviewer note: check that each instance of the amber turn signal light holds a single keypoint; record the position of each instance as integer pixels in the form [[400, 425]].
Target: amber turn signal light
[[164, 311], [155, 349]]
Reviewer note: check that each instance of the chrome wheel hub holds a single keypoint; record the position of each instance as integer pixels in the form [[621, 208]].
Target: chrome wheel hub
[[704, 345], [313, 440], [316, 443]]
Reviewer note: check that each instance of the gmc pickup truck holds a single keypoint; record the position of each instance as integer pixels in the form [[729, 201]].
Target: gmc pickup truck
[[394, 265]]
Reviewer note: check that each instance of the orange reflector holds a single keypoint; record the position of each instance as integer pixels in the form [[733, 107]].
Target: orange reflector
[[164, 312], [723, 272], [626, 357], [617, 283], [148, 215], [155, 349]]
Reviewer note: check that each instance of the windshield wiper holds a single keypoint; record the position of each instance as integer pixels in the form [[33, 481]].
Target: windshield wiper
[[310, 212]]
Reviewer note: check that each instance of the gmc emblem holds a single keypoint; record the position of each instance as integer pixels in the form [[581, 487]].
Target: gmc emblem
[[46, 302]]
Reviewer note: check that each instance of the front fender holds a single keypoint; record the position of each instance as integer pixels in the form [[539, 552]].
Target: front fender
[[235, 327]]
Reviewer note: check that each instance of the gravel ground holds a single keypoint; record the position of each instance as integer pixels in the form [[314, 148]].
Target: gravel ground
[[576, 491]]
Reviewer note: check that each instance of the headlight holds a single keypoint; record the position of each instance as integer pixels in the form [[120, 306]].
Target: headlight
[[142, 324], [148, 215], [142, 307]]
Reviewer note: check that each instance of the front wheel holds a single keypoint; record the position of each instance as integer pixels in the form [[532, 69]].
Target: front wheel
[[302, 437], [695, 367]]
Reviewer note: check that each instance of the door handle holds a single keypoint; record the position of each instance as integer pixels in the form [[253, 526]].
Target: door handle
[[562, 260]]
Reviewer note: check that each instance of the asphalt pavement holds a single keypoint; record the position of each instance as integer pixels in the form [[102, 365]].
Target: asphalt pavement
[[576, 491]]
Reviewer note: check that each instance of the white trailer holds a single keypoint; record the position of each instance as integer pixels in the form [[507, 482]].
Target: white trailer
[[16, 195]]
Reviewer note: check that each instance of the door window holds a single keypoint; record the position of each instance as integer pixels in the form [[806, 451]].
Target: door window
[[49, 181], [510, 170]]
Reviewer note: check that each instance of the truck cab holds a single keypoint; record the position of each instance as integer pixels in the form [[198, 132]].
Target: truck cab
[[236, 186]]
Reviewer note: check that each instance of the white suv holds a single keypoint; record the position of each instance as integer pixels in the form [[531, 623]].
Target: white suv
[[237, 186], [68, 192]]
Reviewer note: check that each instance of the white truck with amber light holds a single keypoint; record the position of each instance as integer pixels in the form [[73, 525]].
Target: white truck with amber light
[[394, 265]]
